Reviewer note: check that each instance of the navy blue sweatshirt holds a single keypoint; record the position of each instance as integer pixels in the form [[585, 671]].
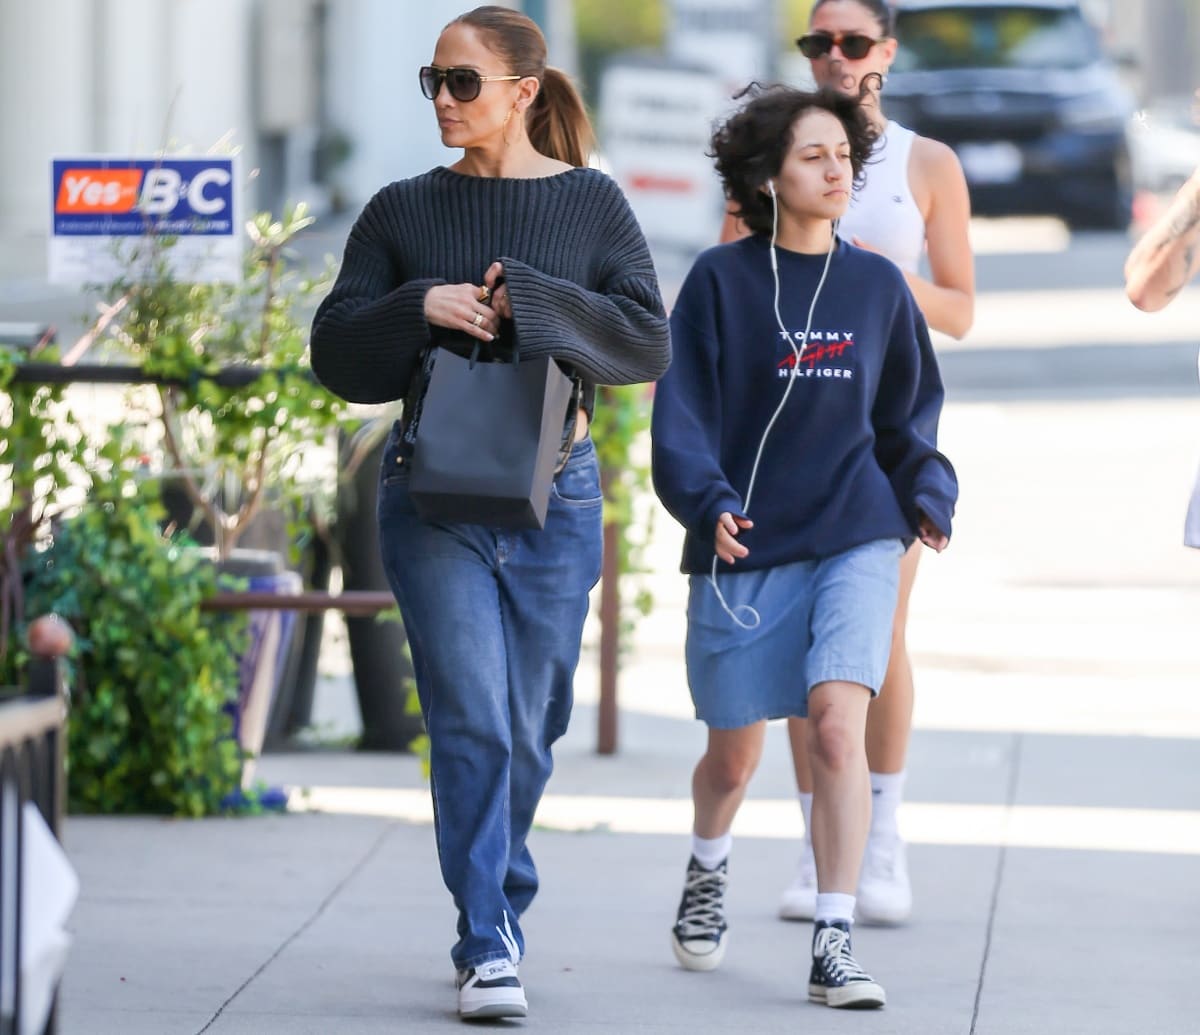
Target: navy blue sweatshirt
[[853, 455]]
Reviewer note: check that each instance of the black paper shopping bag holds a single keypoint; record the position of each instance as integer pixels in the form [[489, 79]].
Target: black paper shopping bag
[[487, 441]]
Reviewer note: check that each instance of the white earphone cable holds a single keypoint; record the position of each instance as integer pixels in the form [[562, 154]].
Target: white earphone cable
[[754, 617]]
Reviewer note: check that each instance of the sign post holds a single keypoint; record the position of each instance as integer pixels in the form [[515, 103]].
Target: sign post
[[733, 38], [102, 206], [656, 120]]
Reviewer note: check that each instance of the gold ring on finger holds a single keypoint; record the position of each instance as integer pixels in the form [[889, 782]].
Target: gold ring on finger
[[478, 321], [485, 293]]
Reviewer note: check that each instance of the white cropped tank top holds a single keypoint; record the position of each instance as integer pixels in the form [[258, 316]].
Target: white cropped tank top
[[883, 212]]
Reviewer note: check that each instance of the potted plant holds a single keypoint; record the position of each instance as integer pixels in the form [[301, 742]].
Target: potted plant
[[239, 410], [150, 727], [383, 676], [151, 674], [39, 450], [239, 420]]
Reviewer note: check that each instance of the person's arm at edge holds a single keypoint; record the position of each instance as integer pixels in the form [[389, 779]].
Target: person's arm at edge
[[685, 426], [616, 334], [905, 417], [1168, 255], [947, 298], [369, 331]]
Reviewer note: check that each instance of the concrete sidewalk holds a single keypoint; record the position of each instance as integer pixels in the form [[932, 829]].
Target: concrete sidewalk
[[337, 922], [1053, 810]]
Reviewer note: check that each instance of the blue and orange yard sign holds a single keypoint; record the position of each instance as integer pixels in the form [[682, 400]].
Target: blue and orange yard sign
[[101, 206]]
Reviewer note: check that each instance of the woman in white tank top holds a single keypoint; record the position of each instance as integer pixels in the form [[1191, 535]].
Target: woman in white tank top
[[913, 202]]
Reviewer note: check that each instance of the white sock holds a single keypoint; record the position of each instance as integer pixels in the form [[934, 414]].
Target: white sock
[[806, 812], [710, 852], [886, 792], [832, 905]]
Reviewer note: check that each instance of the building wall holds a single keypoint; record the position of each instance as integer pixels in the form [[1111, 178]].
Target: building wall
[[1169, 55], [275, 78], [373, 101], [116, 76]]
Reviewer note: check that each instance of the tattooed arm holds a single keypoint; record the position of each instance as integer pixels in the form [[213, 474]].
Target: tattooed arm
[[1167, 257]]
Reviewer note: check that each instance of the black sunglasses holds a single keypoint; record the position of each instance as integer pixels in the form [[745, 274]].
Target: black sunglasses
[[464, 84], [854, 46]]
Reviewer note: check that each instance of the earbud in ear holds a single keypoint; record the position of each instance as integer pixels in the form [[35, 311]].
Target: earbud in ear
[[771, 187]]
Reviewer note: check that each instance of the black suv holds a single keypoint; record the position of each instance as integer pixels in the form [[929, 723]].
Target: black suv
[[1025, 95]]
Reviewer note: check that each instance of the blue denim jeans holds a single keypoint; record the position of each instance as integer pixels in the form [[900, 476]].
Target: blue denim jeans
[[494, 620]]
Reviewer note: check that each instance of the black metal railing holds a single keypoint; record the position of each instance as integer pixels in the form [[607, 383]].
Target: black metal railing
[[238, 376], [32, 735]]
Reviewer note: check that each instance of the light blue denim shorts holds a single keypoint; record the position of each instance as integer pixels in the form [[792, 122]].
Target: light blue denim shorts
[[820, 620]]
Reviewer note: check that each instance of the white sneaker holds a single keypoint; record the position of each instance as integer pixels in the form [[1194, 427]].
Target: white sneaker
[[799, 901], [884, 890], [491, 990]]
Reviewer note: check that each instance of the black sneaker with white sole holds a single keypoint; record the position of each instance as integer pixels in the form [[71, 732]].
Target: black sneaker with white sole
[[836, 978], [491, 990], [698, 936]]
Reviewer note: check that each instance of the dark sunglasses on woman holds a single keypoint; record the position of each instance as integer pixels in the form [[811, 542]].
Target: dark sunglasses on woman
[[854, 46], [464, 84]]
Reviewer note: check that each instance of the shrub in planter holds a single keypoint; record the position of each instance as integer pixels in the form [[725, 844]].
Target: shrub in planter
[[241, 413], [149, 726], [383, 672], [39, 452], [240, 421]]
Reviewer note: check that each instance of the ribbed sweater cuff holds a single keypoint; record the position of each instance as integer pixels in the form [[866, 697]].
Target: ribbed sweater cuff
[[558, 318]]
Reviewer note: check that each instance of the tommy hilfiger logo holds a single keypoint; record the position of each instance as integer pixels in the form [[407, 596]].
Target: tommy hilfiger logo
[[817, 359]]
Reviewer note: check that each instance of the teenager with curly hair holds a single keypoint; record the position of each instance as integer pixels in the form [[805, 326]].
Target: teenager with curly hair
[[794, 438]]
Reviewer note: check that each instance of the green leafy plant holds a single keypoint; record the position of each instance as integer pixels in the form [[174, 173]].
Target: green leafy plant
[[149, 728], [241, 410], [39, 451], [619, 429]]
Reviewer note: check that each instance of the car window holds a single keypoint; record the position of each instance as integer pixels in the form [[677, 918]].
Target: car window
[[1001, 36]]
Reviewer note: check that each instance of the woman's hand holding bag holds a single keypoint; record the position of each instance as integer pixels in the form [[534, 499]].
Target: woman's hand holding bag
[[463, 307]]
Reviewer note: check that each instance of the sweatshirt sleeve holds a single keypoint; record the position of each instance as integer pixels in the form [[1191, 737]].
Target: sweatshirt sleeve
[[614, 335], [369, 331], [685, 426], [905, 417]]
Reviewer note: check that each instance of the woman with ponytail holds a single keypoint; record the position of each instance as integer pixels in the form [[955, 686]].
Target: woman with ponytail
[[517, 246]]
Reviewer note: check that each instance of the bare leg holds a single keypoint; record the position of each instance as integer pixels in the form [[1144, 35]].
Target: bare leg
[[841, 783], [722, 775], [718, 787], [889, 719], [798, 737], [799, 899], [884, 889]]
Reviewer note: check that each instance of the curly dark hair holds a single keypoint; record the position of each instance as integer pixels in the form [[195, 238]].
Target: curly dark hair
[[750, 145]]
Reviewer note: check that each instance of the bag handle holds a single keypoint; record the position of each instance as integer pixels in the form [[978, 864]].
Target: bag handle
[[474, 358]]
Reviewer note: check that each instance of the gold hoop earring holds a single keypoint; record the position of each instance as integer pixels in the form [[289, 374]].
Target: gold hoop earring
[[504, 125]]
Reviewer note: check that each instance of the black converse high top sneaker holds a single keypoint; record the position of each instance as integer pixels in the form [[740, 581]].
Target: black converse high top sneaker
[[698, 936], [836, 978]]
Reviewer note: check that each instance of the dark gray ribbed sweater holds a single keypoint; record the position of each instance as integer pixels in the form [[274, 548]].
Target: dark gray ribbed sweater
[[579, 276]]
